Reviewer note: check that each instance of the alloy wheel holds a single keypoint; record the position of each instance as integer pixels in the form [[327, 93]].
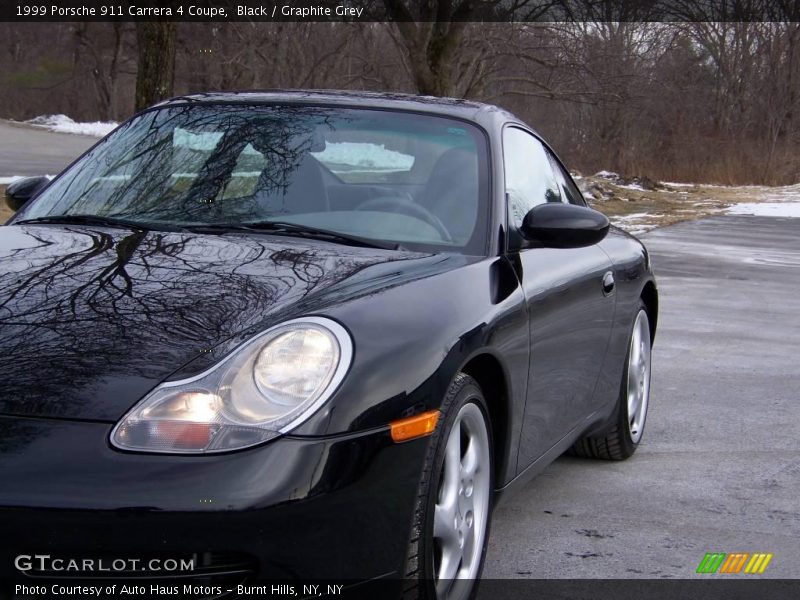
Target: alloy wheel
[[461, 512], [638, 390]]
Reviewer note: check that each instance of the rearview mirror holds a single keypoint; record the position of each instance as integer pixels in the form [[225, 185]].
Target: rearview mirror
[[557, 225], [22, 190]]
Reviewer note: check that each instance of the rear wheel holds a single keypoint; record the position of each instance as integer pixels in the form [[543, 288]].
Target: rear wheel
[[622, 440], [451, 522]]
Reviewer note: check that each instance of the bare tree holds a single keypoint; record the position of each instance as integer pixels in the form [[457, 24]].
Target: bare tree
[[155, 76], [688, 100], [107, 60], [430, 35]]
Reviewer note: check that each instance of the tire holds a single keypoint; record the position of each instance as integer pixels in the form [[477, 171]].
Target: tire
[[621, 441], [465, 497]]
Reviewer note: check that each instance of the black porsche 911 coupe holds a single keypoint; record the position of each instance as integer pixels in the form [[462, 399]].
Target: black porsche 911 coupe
[[306, 335]]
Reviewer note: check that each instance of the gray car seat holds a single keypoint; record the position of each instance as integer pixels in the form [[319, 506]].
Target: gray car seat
[[452, 192], [297, 191]]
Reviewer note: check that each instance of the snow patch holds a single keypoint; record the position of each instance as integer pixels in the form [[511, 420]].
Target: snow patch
[[607, 175], [204, 141], [787, 193], [632, 186], [350, 156], [63, 124], [632, 217], [678, 184], [766, 209], [366, 156], [13, 178], [633, 224]]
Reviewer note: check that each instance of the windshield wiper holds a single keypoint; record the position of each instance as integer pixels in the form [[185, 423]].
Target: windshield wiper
[[295, 229], [85, 220], [276, 227]]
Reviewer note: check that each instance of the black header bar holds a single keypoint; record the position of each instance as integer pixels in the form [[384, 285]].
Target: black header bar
[[218, 11]]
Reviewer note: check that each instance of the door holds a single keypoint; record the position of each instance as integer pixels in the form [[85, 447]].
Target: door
[[570, 303]]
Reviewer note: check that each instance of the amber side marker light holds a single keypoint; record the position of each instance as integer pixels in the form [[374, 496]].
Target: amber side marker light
[[414, 427]]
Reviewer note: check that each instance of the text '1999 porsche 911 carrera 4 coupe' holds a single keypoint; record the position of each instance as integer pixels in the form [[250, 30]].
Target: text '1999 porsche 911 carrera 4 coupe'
[[306, 336]]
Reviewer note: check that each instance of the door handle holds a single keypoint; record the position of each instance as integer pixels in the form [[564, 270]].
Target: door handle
[[608, 283]]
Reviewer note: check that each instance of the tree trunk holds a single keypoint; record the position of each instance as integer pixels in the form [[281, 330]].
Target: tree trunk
[[156, 65], [431, 38]]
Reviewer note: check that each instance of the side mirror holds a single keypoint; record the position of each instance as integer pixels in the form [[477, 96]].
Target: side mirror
[[557, 225], [22, 190]]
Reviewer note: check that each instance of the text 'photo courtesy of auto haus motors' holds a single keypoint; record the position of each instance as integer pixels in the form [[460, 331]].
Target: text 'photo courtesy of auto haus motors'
[[308, 335]]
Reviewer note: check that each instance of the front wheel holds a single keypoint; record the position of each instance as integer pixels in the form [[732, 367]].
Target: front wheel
[[622, 440], [451, 523]]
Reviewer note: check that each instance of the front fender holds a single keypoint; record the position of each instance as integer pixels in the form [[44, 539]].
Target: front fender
[[412, 339]]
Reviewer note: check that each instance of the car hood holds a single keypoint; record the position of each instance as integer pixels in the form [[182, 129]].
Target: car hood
[[92, 318]]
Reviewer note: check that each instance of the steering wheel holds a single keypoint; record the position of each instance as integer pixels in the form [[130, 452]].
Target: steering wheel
[[406, 206]]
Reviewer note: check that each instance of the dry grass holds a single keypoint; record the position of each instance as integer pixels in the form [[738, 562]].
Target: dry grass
[[5, 212], [639, 210]]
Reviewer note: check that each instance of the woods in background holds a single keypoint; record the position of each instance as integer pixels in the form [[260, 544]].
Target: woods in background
[[694, 101]]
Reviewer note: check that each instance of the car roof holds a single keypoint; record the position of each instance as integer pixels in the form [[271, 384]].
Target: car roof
[[485, 114]]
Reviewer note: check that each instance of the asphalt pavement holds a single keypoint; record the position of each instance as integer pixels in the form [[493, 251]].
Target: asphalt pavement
[[28, 150], [718, 469]]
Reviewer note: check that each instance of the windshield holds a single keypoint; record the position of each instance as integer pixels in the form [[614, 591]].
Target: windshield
[[400, 177]]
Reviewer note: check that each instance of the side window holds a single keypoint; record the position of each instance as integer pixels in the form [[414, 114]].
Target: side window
[[571, 193], [530, 179]]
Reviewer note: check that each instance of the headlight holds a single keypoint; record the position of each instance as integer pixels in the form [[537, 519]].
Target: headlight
[[264, 388]]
